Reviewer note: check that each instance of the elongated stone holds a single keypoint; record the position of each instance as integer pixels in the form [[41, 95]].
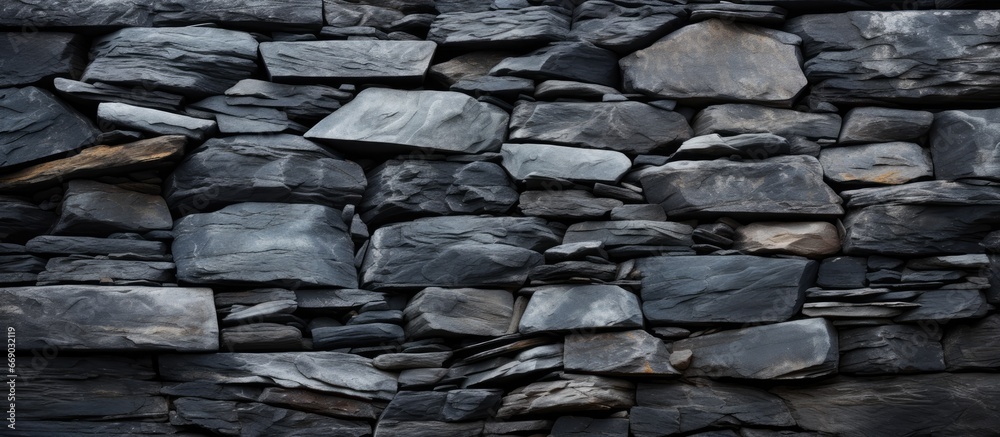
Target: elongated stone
[[98, 14], [569, 307], [154, 121], [876, 164], [247, 14], [490, 30], [740, 118], [544, 161], [574, 393], [916, 230], [368, 61]]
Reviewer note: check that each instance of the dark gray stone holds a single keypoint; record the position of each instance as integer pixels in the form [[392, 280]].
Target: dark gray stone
[[942, 404], [931, 57], [572, 393], [337, 300], [402, 189], [570, 204], [30, 57], [262, 168], [876, 164], [630, 232], [577, 61], [973, 346], [346, 14], [575, 307], [755, 146], [94, 208], [88, 398], [335, 62], [758, 14], [316, 402], [458, 251], [964, 262], [639, 212], [251, 418], [554, 89], [201, 60], [624, 28], [708, 62], [392, 428], [441, 312], [87, 317], [82, 269], [866, 310], [842, 272], [233, 119], [789, 350], [879, 125], [247, 14], [335, 337], [99, 14], [722, 289], [443, 406], [572, 426], [265, 243], [261, 337], [634, 353], [736, 119], [629, 127], [21, 264], [697, 403], [385, 120], [890, 349], [544, 161], [502, 371], [21, 219], [468, 66], [962, 144], [918, 230], [37, 126], [146, 96], [924, 193], [946, 305], [308, 102], [507, 88], [403, 361], [155, 121], [574, 271], [780, 187], [490, 30], [65, 245], [575, 251], [326, 372]]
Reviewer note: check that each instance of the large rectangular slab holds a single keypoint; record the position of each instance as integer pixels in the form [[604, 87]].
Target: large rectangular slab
[[76, 13], [284, 15], [369, 61], [85, 317]]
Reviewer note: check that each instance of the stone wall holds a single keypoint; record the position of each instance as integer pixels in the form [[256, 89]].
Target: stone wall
[[517, 218]]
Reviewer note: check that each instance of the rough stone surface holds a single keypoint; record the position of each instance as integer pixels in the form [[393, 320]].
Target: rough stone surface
[[628, 127], [962, 144], [574, 393], [576, 61], [544, 161], [809, 239], [32, 57], [722, 289], [624, 28], [890, 349], [155, 121], [84, 317], [37, 126], [249, 14], [490, 30], [871, 124], [635, 353], [876, 164], [94, 208], [739, 118], [22, 219], [630, 232], [571, 204], [381, 119], [914, 230], [265, 243], [973, 346], [756, 146], [368, 61], [77, 14], [723, 71], [441, 312], [570, 307]]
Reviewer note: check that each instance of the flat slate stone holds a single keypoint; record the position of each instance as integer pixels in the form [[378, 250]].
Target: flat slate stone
[[973, 346], [146, 95], [755, 146], [98, 14], [628, 127], [155, 121], [577, 61], [308, 102], [20, 218], [335, 62], [98, 161], [386, 120], [758, 14], [842, 272], [246, 418], [574, 426], [739, 118], [574, 393], [890, 349], [790, 350], [467, 66], [545, 161], [708, 62], [265, 243], [575, 307], [634, 353], [697, 403], [79, 269], [369, 334], [876, 164], [783, 186], [962, 144], [573, 204], [871, 124], [390, 428], [442, 312], [808, 239], [30, 57], [262, 168], [618, 233], [918, 230], [443, 406], [201, 60], [326, 372], [37, 126], [900, 56], [942, 306], [86, 317], [459, 251], [93, 208], [507, 88], [66, 245], [490, 30], [624, 28], [722, 289], [247, 14], [233, 119], [505, 371], [401, 189], [924, 193], [946, 404]]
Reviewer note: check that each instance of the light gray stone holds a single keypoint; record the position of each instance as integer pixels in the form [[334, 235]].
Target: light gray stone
[[545, 161], [571, 394], [962, 144], [876, 164], [155, 121], [880, 125], [490, 30], [571, 307], [335, 62]]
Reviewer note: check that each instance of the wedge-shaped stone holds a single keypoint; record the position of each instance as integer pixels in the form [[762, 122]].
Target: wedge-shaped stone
[[245, 14], [98, 161], [963, 144], [624, 28], [945, 404], [783, 186], [93, 208], [32, 56], [265, 243], [386, 120], [889, 349], [441, 312], [630, 232], [635, 353], [499, 29], [900, 56], [570, 307], [77, 14], [327, 372], [736, 119], [918, 230], [629, 127], [34, 126], [714, 61], [81, 317], [367, 334], [680, 407], [458, 251], [876, 164], [335, 62], [184, 60], [155, 121], [570, 394], [262, 168], [544, 161], [790, 350], [723, 289]]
